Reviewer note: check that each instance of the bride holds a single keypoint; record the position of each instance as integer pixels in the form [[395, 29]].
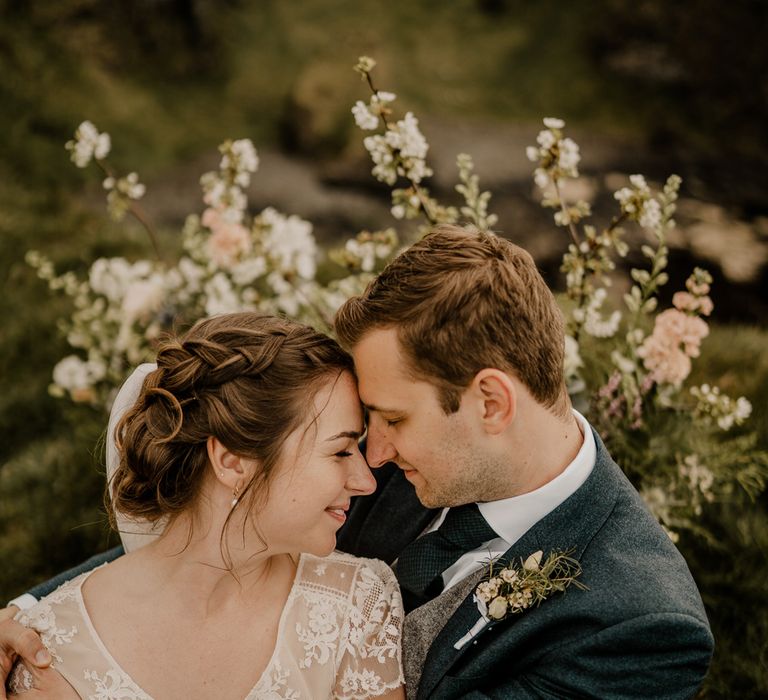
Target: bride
[[242, 450]]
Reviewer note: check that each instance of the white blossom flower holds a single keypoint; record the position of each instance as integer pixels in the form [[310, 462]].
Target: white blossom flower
[[73, 373], [88, 144], [594, 324], [546, 139], [111, 276], [743, 409], [384, 162], [398, 211], [290, 243], [400, 151], [553, 123], [364, 118], [220, 296], [143, 296], [242, 158], [249, 270], [572, 358], [383, 97], [569, 156], [286, 297], [541, 178], [192, 274], [624, 364], [650, 216], [365, 252], [639, 183]]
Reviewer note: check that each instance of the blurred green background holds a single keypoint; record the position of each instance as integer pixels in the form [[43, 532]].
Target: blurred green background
[[646, 86]]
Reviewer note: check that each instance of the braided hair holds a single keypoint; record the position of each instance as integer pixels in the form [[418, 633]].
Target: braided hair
[[244, 378]]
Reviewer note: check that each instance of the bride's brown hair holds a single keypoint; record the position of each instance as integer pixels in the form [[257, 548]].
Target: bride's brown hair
[[244, 378]]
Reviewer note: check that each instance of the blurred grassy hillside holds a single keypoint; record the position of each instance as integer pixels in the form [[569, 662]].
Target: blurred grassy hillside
[[170, 80]]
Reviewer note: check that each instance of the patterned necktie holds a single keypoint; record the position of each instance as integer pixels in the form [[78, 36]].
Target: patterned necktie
[[421, 564]]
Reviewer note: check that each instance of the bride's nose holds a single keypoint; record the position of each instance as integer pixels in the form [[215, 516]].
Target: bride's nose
[[360, 479]]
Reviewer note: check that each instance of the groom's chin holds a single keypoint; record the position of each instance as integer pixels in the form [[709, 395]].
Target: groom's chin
[[427, 498]]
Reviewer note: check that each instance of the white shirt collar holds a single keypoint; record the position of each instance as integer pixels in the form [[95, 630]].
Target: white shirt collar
[[512, 517]]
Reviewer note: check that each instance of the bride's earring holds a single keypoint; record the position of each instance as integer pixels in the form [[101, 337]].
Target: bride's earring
[[236, 494]]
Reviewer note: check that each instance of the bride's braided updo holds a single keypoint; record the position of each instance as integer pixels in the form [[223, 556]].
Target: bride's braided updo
[[243, 378]]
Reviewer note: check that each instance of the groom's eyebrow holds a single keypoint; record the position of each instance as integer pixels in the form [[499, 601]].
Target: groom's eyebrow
[[378, 409]]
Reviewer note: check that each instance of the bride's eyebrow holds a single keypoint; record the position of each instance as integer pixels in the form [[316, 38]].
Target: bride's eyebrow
[[355, 434]]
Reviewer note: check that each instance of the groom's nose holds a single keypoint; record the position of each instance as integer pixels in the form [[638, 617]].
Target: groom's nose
[[379, 449]]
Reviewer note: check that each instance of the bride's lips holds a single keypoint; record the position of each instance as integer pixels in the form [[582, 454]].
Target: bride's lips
[[338, 512]]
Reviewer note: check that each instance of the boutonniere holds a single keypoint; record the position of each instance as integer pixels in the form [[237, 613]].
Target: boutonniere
[[509, 589]]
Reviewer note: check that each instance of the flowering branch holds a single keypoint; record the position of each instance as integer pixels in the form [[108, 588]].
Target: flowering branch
[[399, 152], [122, 192]]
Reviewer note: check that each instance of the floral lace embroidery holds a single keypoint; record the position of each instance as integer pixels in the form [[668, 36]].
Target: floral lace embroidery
[[114, 685], [274, 685], [320, 639], [42, 619], [362, 684], [374, 628]]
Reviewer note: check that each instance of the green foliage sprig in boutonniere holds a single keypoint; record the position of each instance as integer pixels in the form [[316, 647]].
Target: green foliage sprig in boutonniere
[[511, 589]]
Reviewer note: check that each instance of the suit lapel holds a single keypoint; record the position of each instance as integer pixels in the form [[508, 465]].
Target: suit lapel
[[572, 524]]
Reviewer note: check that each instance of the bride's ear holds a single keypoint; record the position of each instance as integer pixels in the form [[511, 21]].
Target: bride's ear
[[497, 398], [229, 469]]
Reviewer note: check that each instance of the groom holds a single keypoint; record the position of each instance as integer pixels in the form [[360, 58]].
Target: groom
[[458, 347]]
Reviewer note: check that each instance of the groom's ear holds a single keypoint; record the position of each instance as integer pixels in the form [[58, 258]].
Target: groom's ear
[[498, 399]]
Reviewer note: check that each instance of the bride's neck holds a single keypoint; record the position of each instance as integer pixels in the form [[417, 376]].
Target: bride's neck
[[193, 557]]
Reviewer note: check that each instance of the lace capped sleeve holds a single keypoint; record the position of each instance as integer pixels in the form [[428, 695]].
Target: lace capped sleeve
[[370, 662]]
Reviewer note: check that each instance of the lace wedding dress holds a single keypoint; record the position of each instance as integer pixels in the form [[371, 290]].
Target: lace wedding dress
[[338, 637]]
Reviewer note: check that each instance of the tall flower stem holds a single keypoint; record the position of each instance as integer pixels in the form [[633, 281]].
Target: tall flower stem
[[588, 272], [564, 209], [135, 211]]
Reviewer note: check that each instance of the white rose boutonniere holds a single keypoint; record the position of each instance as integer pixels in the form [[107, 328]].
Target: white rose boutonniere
[[508, 589]]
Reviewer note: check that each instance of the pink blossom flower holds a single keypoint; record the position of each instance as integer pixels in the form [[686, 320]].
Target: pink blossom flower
[[705, 306], [684, 301], [676, 338], [667, 363], [229, 240]]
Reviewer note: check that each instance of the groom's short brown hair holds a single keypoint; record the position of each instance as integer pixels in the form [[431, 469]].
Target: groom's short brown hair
[[462, 300]]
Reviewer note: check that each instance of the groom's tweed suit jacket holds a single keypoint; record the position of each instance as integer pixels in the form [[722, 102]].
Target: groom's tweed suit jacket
[[640, 631]]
